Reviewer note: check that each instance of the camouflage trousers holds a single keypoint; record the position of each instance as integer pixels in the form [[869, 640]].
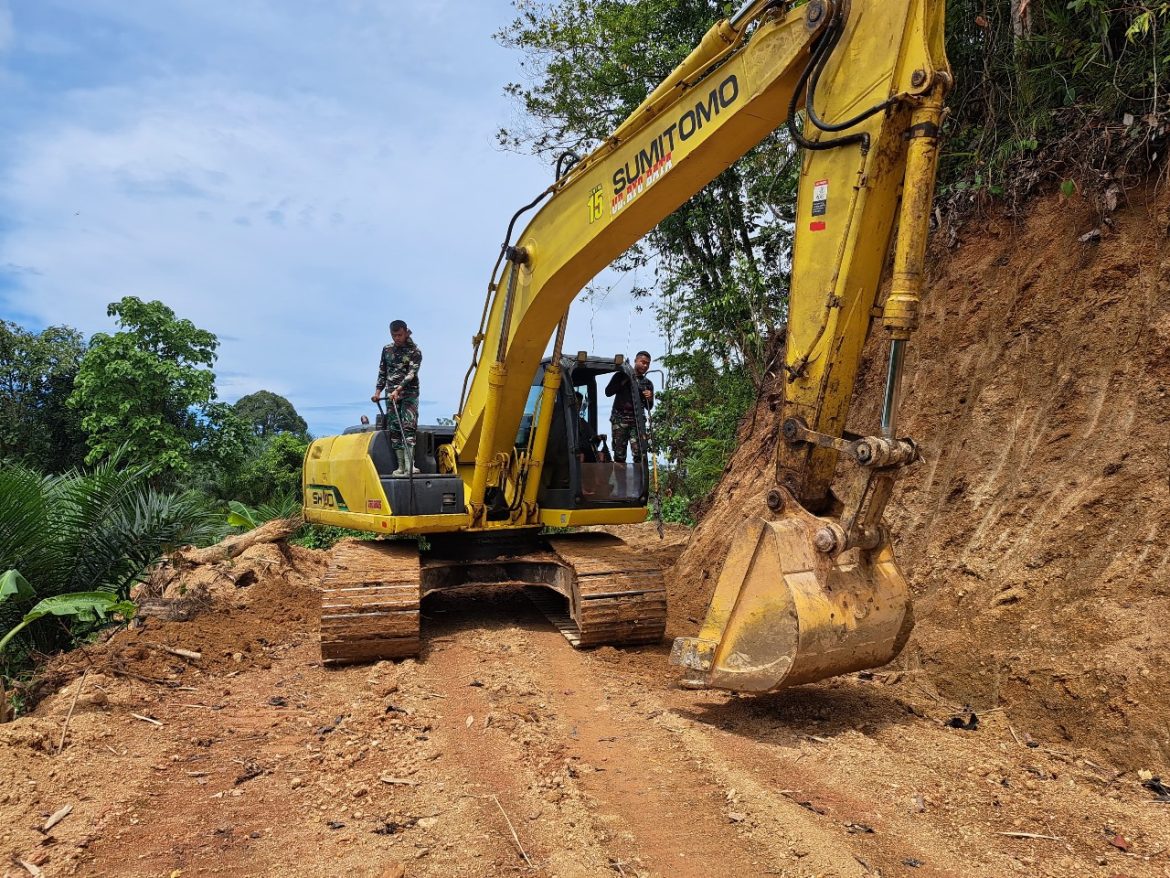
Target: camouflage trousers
[[625, 432], [407, 409]]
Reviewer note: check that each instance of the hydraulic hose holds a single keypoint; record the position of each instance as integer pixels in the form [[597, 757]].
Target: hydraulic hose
[[479, 336], [807, 84], [836, 28]]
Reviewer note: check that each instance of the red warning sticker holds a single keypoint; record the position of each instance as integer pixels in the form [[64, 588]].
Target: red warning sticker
[[816, 226]]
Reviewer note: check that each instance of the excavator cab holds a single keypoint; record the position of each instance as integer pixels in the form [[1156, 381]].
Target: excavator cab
[[580, 472]]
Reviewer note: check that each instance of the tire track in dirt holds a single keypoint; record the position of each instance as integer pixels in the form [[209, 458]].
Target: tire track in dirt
[[595, 791], [267, 764]]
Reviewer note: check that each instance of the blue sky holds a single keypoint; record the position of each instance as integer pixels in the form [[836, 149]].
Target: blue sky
[[289, 174]]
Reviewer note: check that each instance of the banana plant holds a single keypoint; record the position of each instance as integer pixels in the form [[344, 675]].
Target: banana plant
[[241, 516], [86, 606]]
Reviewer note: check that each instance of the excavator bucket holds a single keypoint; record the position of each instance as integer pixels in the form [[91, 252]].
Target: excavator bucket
[[784, 613]]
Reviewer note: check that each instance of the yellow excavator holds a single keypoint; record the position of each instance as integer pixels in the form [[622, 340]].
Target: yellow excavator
[[810, 587]]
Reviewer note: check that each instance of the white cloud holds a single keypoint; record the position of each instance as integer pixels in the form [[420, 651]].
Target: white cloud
[[293, 222]]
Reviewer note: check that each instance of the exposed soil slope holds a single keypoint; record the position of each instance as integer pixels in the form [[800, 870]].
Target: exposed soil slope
[[1036, 535]]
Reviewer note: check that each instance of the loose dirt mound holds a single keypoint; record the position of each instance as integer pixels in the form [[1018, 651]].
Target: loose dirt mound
[[1035, 534], [503, 751]]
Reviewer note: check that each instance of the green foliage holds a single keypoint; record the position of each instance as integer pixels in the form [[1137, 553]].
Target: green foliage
[[696, 423], [264, 471], [276, 470], [325, 536], [246, 518], [98, 530], [241, 516], [148, 387], [37, 371], [269, 413], [225, 440], [89, 606], [1069, 90], [677, 508], [13, 584]]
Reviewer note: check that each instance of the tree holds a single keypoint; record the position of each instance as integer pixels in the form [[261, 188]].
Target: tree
[[98, 530], [270, 413], [148, 387], [37, 372], [274, 473], [721, 259]]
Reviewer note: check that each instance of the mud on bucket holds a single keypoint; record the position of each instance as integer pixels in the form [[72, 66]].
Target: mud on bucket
[[784, 613]]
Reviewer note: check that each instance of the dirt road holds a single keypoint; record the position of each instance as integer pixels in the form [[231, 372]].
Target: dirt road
[[503, 751]]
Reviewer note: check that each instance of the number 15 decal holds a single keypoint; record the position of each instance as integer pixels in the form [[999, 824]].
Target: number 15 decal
[[596, 202]]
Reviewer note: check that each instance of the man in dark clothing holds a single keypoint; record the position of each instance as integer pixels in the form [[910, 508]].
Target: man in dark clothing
[[398, 375], [623, 419]]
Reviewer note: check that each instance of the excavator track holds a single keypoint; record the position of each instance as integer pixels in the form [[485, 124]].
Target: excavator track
[[370, 603], [618, 596]]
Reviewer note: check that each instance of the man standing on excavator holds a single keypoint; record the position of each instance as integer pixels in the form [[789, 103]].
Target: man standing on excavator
[[622, 418], [398, 375]]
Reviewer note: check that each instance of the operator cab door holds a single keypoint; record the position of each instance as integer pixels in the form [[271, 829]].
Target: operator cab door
[[579, 472]]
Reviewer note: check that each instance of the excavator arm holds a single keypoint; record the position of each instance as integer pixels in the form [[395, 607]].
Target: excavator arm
[[810, 587], [746, 78]]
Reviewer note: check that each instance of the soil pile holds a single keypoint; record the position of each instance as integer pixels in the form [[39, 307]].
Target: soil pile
[[1035, 533], [211, 742]]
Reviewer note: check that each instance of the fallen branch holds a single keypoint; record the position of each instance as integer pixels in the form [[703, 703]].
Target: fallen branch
[[1030, 835], [146, 719], [57, 817], [270, 532], [122, 672], [402, 781], [515, 837], [181, 653], [69, 716]]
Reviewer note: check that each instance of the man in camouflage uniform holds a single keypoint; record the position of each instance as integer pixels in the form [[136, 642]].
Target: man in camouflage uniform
[[623, 419], [398, 375]]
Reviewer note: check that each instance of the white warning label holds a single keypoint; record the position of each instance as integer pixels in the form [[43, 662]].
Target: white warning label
[[820, 197]]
